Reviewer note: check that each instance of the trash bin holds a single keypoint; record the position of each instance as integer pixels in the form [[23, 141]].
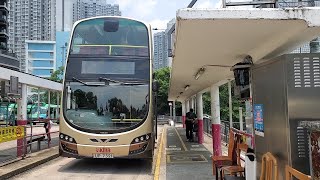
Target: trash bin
[[171, 122], [250, 165]]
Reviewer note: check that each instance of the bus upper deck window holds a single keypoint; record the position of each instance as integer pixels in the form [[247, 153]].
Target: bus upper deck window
[[111, 25]]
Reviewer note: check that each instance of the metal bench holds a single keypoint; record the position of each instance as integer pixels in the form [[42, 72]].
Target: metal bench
[[37, 139]]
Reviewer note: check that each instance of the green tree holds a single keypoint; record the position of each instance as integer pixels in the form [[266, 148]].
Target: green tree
[[206, 98], [224, 103], [55, 76], [163, 77]]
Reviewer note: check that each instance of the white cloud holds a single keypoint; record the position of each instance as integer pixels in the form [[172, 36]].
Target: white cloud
[[218, 4], [159, 24], [205, 4], [136, 8]]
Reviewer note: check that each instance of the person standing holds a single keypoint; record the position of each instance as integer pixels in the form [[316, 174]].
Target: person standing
[[190, 119], [47, 126]]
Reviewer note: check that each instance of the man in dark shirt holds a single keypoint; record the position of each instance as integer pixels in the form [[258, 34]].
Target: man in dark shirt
[[191, 117]]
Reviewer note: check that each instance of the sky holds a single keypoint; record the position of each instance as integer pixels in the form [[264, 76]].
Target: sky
[[158, 12]]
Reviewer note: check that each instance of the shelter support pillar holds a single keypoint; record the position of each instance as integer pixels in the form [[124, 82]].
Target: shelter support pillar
[[188, 105], [192, 103], [22, 104], [200, 117], [22, 119], [183, 114], [216, 123]]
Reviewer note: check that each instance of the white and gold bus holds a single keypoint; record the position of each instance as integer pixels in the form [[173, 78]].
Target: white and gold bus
[[107, 104]]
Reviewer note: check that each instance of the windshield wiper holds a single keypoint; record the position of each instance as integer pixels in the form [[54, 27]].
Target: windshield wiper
[[132, 83], [87, 83], [108, 80]]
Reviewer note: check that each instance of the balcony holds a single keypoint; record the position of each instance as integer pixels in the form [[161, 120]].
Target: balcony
[[3, 22], [8, 60], [4, 6], [4, 35]]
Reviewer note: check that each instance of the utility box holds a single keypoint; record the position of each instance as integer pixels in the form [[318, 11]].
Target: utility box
[[286, 96]]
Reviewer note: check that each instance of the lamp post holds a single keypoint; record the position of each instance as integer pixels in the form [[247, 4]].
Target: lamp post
[[63, 53]]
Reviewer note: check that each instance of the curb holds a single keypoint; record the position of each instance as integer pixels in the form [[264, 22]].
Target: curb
[[156, 154], [28, 166], [157, 167]]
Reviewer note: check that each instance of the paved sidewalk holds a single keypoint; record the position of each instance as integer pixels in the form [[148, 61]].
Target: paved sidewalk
[[186, 160], [29, 162]]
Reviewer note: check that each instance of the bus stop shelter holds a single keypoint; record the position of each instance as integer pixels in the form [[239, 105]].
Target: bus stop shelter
[[208, 43]]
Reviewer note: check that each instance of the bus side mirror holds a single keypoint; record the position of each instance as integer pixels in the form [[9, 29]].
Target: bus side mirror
[[155, 86]]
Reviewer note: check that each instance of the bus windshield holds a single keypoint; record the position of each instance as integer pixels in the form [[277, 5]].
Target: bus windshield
[[107, 79], [110, 36], [110, 107]]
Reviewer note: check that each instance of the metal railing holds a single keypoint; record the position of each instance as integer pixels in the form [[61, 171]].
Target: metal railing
[[285, 3], [36, 138], [224, 129], [166, 118]]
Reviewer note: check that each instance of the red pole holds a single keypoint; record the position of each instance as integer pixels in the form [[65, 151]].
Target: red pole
[[20, 142], [216, 139]]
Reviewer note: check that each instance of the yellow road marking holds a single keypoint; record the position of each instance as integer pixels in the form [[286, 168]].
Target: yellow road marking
[[157, 171], [184, 146]]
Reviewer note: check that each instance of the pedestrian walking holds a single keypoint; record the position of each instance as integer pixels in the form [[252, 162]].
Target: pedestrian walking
[[190, 119], [47, 126]]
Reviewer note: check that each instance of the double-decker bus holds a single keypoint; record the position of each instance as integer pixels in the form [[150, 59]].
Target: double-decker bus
[[107, 103]]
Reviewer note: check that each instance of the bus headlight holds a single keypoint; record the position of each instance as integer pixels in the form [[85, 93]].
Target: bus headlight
[[68, 144], [67, 138], [142, 138], [139, 144]]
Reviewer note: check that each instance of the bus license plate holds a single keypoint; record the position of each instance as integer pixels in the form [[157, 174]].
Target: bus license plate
[[102, 155]]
